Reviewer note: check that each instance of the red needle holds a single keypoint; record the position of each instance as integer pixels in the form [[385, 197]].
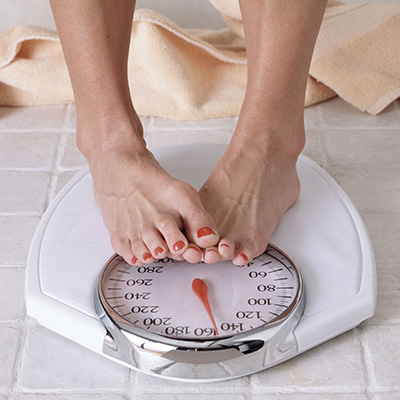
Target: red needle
[[200, 288]]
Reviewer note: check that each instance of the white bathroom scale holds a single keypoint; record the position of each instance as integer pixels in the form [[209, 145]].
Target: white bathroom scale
[[199, 322]]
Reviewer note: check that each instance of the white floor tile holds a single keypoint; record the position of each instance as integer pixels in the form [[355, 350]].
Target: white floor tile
[[64, 178], [386, 396], [72, 158], [383, 344], [308, 396], [384, 232], [16, 233], [12, 294], [152, 384], [337, 113], [312, 116], [27, 150], [314, 148], [32, 118], [367, 149], [52, 362], [215, 124], [334, 364], [388, 301], [372, 191], [23, 191], [190, 396], [8, 348], [72, 396], [175, 138]]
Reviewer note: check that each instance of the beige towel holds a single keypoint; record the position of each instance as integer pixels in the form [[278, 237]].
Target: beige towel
[[200, 74], [357, 54]]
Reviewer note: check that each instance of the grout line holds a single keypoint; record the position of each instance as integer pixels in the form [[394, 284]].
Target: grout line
[[20, 214], [366, 374], [67, 114], [26, 330], [17, 364], [60, 148], [368, 363], [384, 323], [53, 130], [360, 128], [25, 169], [71, 169], [12, 323], [12, 266], [329, 164], [320, 118], [51, 189], [74, 392]]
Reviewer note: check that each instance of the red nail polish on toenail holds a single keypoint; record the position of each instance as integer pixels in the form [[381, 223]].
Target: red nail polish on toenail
[[215, 251], [195, 248], [245, 258], [205, 231], [134, 260], [146, 256], [158, 250], [179, 245], [224, 245]]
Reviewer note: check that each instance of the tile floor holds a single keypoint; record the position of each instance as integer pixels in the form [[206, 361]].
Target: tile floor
[[38, 156]]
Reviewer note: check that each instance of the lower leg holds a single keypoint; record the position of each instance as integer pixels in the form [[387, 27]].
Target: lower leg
[[144, 208], [256, 181]]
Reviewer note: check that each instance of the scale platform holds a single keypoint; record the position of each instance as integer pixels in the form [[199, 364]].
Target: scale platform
[[322, 233]]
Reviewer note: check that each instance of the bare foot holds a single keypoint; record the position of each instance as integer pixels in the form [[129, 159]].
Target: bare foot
[[144, 208], [247, 194]]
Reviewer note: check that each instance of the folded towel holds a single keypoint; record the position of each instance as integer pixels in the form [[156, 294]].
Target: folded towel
[[200, 74], [357, 54]]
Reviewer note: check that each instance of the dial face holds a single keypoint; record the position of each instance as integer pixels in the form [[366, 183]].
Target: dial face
[[200, 301]]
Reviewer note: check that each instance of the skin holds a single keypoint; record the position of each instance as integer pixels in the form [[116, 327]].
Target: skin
[[256, 180], [150, 214]]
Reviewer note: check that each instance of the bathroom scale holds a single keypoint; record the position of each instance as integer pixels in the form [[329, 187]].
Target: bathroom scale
[[200, 322]]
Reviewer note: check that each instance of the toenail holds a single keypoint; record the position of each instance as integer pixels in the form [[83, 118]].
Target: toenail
[[224, 245], [205, 231], [245, 258], [146, 256], [134, 260], [158, 251], [179, 245], [194, 248], [215, 251]]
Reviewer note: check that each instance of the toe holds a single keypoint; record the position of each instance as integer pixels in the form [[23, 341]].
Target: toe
[[249, 248], [244, 253], [211, 255], [175, 239], [200, 228], [153, 241], [226, 248], [241, 258], [135, 262], [193, 254], [123, 248], [140, 250]]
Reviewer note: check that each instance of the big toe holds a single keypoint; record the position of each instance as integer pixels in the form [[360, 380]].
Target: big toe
[[201, 229]]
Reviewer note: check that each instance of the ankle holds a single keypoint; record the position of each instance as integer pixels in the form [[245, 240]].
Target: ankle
[[284, 142], [95, 136]]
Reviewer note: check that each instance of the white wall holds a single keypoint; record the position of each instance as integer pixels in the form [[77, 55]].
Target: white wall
[[186, 13]]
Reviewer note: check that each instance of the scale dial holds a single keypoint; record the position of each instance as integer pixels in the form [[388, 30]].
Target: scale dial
[[179, 300]]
